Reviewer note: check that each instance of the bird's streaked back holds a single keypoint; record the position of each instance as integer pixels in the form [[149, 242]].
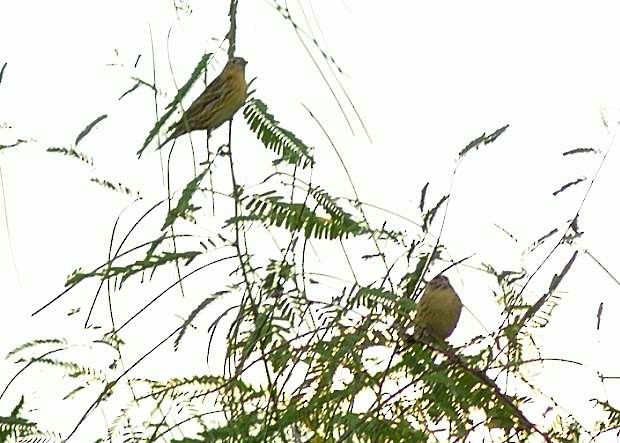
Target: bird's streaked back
[[218, 103]]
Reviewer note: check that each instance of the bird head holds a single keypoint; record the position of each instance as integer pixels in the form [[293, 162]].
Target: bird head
[[439, 281], [238, 62]]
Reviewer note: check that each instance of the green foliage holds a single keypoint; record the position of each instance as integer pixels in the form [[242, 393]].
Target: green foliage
[[483, 140], [307, 354], [119, 187], [89, 128], [70, 152], [70, 368], [36, 343], [580, 151], [272, 210], [12, 145], [13, 425], [268, 130], [16, 428], [184, 208], [152, 262], [430, 214], [202, 305], [411, 280], [569, 185], [612, 421], [178, 98], [136, 85]]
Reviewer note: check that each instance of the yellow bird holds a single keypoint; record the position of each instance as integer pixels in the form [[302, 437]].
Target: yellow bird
[[220, 100], [438, 310]]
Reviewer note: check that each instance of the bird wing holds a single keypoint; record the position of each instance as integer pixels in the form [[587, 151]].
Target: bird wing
[[196, 111]]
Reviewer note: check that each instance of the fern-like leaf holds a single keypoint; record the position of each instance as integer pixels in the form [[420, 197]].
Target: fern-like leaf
[[295, 217], [70, 152], [119, 187], [152, 262], [268, 130]]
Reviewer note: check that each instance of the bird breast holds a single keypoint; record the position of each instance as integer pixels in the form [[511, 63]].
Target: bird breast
[[438, 312]]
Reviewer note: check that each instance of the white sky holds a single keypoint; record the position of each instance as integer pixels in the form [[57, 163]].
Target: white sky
[[427, 77]]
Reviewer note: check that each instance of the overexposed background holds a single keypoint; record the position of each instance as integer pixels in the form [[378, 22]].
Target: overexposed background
[[426, 78]]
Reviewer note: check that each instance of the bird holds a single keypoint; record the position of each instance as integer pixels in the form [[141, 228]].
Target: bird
[[438, 310], [217, 104]]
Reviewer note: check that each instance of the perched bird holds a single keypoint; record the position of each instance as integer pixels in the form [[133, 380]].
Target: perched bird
[[438, 310], [218, 102]]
